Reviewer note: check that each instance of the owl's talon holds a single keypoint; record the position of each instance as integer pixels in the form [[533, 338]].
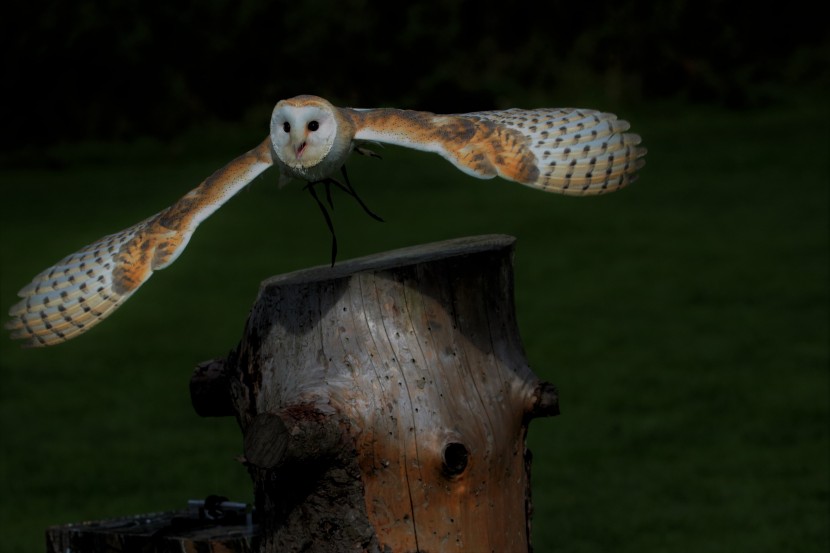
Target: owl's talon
[[364, 151]]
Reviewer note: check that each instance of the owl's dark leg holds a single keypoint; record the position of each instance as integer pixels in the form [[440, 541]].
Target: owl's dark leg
[[348, 189], [326, 216]]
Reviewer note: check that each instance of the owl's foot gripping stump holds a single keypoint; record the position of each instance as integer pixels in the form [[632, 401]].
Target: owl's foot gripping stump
[[385, 403]]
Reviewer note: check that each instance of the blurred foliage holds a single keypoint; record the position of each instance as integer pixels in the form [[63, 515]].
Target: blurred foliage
[[113, 69]]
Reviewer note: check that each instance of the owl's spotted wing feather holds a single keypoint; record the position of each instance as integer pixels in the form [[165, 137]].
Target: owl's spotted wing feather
[[570, 151], [85, 287], [70, 297]]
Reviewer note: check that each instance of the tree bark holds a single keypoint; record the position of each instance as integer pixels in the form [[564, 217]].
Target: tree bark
[[385, 402]]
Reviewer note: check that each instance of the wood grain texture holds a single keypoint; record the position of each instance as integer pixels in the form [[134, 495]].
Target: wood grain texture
[[403, 390]]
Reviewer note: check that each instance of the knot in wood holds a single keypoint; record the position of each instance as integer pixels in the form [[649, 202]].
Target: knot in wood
[[266, 441], [455, 458]]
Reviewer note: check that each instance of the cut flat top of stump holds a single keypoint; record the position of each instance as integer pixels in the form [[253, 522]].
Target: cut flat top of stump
[[397, 258]]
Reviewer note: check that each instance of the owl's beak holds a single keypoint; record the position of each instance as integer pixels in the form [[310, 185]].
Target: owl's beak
[[301, 149]]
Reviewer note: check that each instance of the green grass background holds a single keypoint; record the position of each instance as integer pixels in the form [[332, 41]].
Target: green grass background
[[684, 320]]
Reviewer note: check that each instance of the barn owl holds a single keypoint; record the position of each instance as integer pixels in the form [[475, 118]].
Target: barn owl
[[570, 151]]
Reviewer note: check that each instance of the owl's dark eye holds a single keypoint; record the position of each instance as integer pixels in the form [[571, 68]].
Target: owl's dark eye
[[286, 126], [313, 125]]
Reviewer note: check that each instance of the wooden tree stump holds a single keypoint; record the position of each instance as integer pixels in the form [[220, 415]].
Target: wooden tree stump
[[385, 402]]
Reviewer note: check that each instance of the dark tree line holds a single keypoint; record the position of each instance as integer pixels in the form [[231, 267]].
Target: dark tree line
[[113, 69]]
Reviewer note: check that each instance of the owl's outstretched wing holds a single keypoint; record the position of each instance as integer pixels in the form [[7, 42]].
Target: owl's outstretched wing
[[570, 151], [85, 287]]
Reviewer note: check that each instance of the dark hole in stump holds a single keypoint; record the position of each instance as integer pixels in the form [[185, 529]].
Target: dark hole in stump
[[455, 458]]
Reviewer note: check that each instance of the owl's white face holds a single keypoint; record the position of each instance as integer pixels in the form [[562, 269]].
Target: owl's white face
[[303, 131]]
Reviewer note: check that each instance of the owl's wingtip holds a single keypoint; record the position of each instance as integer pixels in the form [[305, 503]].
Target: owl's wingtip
[[31, 344], [17, 332]]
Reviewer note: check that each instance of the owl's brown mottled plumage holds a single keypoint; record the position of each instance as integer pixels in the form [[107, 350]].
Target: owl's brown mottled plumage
[[85, 287], [570, 151]]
